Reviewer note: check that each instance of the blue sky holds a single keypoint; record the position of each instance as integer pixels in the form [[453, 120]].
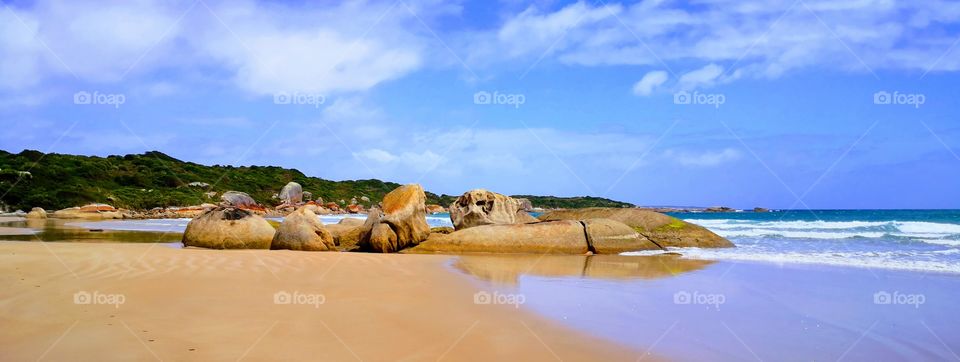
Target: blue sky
[[782, 104]]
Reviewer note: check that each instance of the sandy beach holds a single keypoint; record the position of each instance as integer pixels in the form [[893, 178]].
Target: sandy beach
[[112, 301]]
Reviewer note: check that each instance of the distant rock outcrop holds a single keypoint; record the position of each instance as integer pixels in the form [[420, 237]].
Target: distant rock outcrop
[[291, 194], [91, 211], [719, 209], [435, 209], [237, 199]]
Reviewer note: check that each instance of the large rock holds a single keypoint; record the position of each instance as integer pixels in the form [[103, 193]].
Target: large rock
[[607, 236], [302, 230], [557, 237], [37, 213], [599, 236], [346, 233], [403, 214], [97, 208], [237, 199], [664, 230], [482, 207], [90, 212], [229, 228], [292, 193]]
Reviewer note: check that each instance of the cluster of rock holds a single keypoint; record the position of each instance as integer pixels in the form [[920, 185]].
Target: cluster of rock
[[91, 211], [484, 221], [238, 223], [292, 197]]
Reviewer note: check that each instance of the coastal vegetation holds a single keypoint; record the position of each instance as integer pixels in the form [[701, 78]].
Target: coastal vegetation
[[153, 179]]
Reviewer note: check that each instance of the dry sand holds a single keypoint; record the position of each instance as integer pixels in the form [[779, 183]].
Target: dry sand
[[195, 304]]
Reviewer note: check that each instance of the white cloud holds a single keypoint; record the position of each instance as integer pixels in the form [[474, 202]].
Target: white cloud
[[649, 82], [700, 78], [757, 38], [704, 158], [376, 154], [262, 47]]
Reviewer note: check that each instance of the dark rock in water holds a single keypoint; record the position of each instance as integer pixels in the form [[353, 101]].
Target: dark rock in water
[[228, 228], [661, 229], [760, 209], [719, 209]]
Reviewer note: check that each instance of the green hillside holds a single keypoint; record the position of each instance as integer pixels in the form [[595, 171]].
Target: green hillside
[[154, 179]]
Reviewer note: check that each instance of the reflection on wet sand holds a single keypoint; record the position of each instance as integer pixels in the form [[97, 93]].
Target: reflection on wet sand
[[59, 230], [507, 269]]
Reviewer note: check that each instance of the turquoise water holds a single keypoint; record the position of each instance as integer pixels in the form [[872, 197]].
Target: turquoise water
[[922, 240]]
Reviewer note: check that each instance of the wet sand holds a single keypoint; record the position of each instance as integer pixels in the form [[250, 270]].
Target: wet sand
[[114, 301], [726, 311]]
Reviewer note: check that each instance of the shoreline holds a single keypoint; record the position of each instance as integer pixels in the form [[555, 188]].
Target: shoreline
[[202, 304]]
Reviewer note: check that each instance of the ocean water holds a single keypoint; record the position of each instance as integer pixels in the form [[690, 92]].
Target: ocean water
[[921, 240]]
